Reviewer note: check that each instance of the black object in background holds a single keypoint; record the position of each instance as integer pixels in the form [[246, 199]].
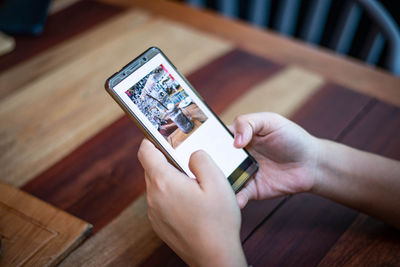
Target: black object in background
[[23, 16]]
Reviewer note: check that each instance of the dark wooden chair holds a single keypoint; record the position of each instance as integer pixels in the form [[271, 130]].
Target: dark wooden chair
[[283, 16]]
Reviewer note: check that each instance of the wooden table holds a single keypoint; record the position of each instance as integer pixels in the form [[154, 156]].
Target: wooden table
[[66, 142]]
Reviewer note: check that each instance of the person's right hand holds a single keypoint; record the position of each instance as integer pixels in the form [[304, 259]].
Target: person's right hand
[[287, 156]]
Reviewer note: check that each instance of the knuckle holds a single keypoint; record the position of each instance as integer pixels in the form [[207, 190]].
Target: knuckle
[[160, 185], [150, 215], [140, 153], [241, 118]]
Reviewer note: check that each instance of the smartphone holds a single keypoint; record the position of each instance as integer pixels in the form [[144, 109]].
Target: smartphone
[[171, 113]]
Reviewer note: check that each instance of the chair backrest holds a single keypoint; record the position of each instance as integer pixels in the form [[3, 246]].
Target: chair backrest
[[312, 26]]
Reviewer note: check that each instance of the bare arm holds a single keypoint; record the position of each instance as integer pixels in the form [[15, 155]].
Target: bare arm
[[292, 161], [361, 180], [200, 219]]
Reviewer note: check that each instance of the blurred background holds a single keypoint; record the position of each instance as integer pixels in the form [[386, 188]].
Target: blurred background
[[364, 29], [367, 30]]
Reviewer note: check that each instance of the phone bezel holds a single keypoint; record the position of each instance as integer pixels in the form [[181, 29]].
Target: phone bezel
[[237, 178]]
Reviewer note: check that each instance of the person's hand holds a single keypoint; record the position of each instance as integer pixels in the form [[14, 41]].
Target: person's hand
[[285, 152], [199, 219]]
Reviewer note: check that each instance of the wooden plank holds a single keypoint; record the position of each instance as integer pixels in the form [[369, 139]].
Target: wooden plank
[[378, 131], [284, 93], [341, 70], [76, 47], [368, 241], [126, 241], [225, 80], [308, 235], [33, 232], [45, 120], [301, 231], [7, 44], [330, 110], [327, 103], [105, 171], [58, 5], [252, 215], [255, 213], [60, 27], [163, 256], [89, 175]]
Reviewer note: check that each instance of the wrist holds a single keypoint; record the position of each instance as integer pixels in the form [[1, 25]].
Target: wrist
[[222, 252], [319, 164]]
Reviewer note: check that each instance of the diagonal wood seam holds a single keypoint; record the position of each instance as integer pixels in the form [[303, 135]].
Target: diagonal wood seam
[[283, 93], [124, 232], [53, 233], [48, 217], [363, 112], [83, 111], [307, 83]]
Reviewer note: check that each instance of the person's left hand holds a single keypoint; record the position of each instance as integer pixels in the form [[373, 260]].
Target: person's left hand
[[199, 219]]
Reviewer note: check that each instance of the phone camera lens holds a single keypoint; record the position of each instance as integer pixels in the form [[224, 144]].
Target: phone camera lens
[[144, 59], [124, 74]]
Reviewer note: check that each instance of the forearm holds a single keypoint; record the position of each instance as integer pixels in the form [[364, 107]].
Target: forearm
[[361, 180], [217, 253]]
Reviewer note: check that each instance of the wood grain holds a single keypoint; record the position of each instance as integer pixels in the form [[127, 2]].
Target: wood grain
[[86, 14], [366, 242], [105, 171], [76, 47], [369, 241], [299, 233], [7, 44], [35, 233], [126, 241], [46, 119], [305, 227], [321, 115], [284, 93], [341, 70], [58, 5], [225, 80], [378, 131], [330, 110]]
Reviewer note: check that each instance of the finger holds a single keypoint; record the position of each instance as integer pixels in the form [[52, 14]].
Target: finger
[[245, 194], [242, 198], [153, 161], [257, 123], [207, 173]]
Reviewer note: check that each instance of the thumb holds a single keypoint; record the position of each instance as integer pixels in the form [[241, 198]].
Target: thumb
[[243, 130], [206, 171], [245, 126]]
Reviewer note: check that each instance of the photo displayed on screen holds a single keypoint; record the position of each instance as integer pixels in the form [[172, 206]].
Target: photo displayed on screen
[[167, 106]]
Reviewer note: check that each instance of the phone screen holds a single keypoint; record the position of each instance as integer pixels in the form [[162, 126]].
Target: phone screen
[[176, 117]]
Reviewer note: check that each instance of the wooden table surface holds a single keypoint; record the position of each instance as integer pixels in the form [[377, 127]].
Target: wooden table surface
[[64, 140]]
